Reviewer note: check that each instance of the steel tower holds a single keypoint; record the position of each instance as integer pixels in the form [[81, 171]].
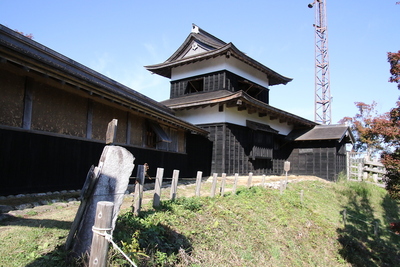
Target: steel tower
[[322, 83]]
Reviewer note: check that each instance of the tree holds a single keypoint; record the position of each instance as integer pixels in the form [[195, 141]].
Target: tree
[[29, 35], [381, 133]]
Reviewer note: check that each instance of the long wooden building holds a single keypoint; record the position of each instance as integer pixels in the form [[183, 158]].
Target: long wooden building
[[53, 120], [222, 90]]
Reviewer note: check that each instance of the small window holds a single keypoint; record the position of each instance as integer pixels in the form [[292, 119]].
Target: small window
[[151, 137], [194, 86], [155, 134]]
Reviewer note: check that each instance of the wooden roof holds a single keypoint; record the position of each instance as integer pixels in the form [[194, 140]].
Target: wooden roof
[[210, 47], [34, 56], [239, 99], [323, 132]]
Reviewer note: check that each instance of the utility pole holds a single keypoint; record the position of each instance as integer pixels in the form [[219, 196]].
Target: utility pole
[[322, 103]]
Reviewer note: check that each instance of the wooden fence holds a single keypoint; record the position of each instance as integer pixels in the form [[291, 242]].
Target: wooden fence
[[214, 191], [360, 167]]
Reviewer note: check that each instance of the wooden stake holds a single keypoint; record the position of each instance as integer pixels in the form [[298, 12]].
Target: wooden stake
[[138, 190], [249, 181], [214, 184], [301, 196], [263, 181], [235, 183], [223, 184], [157, 187], [198, 183], [376, 229], [102, 224], [111, 135], [174, 184]]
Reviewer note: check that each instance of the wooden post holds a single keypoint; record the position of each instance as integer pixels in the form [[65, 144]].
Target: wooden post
[[115, 167], [348, 165], [174, 184], [301, 196], [344, 214], [198, 183], [157, 187], [281, 187], [263, 181], [359, 171], [286, 167], [249, 181], [376, 229], [138, 190], [111, 134], [223, 184], [102, 224], [214, 184], [235, 183]]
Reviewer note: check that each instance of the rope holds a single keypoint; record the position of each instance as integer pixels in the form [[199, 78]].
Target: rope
[[108, 237]]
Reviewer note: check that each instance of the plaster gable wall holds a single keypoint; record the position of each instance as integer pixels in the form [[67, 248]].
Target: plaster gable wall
[[217, 64], [230, 115]]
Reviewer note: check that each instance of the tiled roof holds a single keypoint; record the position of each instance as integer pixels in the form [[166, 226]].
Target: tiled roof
[[323, 132], [23, 51], [240, 99], [211, 47]]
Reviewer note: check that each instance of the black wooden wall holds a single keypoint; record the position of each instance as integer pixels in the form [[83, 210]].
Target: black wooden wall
[[231, 151], [221, 80], [31, 162], [323, 159]]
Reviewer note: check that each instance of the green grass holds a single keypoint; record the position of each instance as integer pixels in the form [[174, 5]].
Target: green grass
[[254, 227], [261, 227]]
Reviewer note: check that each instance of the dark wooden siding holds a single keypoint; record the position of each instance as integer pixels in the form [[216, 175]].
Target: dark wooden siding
[[31, 162], [323, 161], [232, 145], [222, 80]]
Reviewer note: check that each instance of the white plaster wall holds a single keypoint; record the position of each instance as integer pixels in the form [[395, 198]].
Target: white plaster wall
[[231, 115], [220, 63]]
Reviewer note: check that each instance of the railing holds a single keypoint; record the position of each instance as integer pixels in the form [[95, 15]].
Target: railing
[[361, 167], [261, 153]]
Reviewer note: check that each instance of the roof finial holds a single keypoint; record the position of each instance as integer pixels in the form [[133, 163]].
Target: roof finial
[[195, 28]]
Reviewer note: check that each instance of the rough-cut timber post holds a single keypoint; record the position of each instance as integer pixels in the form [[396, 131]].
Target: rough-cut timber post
[[223, 184], [235, 183], [116, 165], [249, 181], [102, 225], [214, 184], [301, 196], [198, 183], [111, 134], [138, 190], [174, 184], [157, 187]]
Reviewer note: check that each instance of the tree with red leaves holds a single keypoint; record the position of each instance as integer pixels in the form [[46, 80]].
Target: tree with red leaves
[[29, 35], [381, 133]]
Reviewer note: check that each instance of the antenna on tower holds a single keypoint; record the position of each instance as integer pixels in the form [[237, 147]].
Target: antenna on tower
[[323, 99]]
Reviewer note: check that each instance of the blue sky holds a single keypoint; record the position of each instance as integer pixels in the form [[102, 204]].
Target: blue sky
[[118, 38]]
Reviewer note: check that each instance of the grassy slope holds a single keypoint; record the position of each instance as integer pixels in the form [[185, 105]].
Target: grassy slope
[[255, 227], [261, 227]]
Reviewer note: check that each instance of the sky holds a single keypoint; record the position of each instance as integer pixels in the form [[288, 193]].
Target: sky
[[118, 38]]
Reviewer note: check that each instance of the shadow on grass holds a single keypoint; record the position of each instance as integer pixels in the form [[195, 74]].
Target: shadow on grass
[[45, 223], [365, 240], [58, 256]]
